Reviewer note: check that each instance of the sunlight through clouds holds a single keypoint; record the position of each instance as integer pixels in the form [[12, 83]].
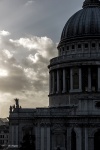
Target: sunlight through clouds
[[24, 71], [34, 58], [3, 73], [43, 45]]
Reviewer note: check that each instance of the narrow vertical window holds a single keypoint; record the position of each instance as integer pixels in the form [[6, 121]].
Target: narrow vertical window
[[86, 45], [94, 78], [67, 47], [79, 46], [75, 78], [93, 45], [85, 79], [68, 79], [73, 46]]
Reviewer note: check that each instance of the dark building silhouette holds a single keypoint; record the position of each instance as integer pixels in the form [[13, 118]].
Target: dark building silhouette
[[72, 120]]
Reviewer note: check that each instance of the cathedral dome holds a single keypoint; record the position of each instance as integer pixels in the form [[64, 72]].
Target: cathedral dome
[[85, 22], [76, 70]]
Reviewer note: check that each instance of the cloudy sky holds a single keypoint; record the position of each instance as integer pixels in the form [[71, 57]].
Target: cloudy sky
[[29, 33]]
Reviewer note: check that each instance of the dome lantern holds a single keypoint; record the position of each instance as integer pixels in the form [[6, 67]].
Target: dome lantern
[[91, 3]]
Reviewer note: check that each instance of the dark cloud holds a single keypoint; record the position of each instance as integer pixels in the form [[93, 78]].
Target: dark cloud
[[42, 18]]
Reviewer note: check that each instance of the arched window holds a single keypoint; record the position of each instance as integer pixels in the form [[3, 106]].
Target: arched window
[[73, 140], [97, 140]]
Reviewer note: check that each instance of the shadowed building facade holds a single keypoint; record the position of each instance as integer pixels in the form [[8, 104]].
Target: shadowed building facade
[[72, 120]]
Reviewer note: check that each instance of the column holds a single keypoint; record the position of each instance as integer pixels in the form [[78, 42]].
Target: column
[[16, 135], [53, 82], [86, 139], [58, 85], [71, 79], [80, 79], [50, 83], [48, 138], [89, 79], [12, 133], [91, 143], [98, 78], [64, 81], [45, 138], [78, 138], [69, 138], [42, 138], [38, 137]]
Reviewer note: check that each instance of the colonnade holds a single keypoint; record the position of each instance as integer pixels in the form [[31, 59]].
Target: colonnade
[[62, 80], [81, 138], [43, 136]]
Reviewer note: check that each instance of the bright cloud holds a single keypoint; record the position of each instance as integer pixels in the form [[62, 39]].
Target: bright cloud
[[4, 33], [40, 44], [7, 53], [34, 58], [25, 73], [3, 73]]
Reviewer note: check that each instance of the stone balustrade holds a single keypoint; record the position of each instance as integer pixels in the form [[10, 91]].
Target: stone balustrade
[[74, 57]]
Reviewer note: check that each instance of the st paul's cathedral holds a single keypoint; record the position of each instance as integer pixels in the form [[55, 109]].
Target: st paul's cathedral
[[72, 119]]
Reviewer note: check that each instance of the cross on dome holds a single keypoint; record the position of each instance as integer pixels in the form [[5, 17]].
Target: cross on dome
[[91, 3]]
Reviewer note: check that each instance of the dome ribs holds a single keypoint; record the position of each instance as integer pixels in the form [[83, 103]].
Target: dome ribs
[[85, 22]]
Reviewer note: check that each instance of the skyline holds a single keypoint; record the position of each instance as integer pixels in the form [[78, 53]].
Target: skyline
[[29, 34]]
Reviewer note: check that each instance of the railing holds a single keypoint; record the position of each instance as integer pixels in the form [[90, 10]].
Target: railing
[[75, 57]]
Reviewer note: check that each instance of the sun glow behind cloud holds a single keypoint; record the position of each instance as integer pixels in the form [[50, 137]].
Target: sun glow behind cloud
[[3, 73], [4, 33]]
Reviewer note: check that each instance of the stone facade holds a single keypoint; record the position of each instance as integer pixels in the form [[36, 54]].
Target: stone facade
[[4, 135], [72, 120]]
